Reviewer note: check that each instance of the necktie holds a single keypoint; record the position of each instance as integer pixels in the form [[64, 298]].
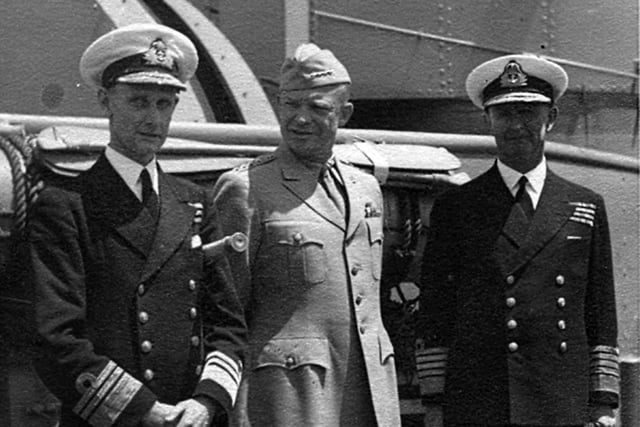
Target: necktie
[[523, 199], [332, 185], [149, 196]]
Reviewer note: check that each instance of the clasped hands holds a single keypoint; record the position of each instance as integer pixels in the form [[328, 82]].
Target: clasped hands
[[196, 412]]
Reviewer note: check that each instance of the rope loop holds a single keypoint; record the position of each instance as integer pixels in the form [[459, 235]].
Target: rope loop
[[26, 181]]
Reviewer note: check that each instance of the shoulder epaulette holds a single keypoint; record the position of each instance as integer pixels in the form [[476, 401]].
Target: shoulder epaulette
[[264, 159]]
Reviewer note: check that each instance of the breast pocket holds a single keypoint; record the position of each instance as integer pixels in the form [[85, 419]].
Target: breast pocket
[[297, 250], [374, 229], [575, 242]]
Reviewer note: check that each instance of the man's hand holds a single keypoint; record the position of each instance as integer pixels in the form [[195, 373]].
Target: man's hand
[[198, 412], [162, 415], [603, 416]]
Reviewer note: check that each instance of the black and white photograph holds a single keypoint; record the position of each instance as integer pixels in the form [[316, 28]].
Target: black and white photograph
[[319, 213]]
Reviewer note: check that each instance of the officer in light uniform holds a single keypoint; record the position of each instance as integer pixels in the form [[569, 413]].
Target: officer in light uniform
[[319, 353], [135, 326], [519, 318]]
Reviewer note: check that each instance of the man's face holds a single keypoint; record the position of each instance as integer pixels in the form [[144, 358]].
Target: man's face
[[309, 120], [139, 118], [520, 129]]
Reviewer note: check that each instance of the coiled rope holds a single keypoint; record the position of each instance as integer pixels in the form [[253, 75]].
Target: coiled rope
[[26, 182]]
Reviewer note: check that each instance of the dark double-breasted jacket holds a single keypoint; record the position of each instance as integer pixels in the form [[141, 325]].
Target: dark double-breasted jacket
[[128, 313], [319, 353], [519, 324]]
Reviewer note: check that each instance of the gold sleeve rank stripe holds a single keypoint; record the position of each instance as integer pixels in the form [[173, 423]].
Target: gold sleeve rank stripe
[[224, 371], [431, 364], [604, 369], [106, 396]]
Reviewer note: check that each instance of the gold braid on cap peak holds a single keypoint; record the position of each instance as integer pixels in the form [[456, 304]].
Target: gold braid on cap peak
[[515, 79], [160, 56]]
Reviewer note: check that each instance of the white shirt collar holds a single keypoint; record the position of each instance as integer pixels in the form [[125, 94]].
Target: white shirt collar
[[535, 176], [129, 171]]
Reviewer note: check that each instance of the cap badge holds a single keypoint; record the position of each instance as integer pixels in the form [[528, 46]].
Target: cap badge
[[157, 55], [513, 76]]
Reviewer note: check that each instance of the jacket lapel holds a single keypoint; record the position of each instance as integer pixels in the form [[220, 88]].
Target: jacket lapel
[[109, 201], [492, 201], [303, 183], [551, 214], [176, 218]]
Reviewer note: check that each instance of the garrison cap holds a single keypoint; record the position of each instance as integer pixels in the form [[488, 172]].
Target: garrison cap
[[140, 54], [516, 78], [312, 67]]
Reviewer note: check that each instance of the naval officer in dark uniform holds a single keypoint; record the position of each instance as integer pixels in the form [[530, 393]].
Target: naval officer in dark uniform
[[135, 327], [519, 323]]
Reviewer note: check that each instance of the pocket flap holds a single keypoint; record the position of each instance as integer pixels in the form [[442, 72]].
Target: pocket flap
[[386, 348], [374, 227], [291, 353], [294, 233]]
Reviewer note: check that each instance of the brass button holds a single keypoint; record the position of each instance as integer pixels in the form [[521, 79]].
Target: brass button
[[192, 285], [143, 317], [511, 302], [297, 237], [560, 280], [512, 324], [562, 325], [563, 347], [561, 302], [358, 299], [193, 312], [511, 280], [354, 271], [141, 289], [146, 346], [290, 361], [198, 370], [195, 341], [148, 374], [513, 347]]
